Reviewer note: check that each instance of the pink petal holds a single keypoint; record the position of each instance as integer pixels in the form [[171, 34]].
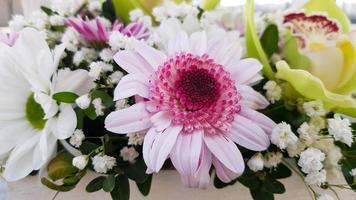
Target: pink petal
[[202, 177], [179, 44], [154, 57], [224, 50], [186, 152], [198, 43], [224, 174], [161, 120], [128, 120], [162, 146], [225, 150], [102, 33], [245, 71], [251, 98], [262, 120], [131, 85], [133, 63], [248, 134], [147, 145]]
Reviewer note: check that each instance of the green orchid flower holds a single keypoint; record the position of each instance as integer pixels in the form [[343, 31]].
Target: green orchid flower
[[320, 55], [123, 7]]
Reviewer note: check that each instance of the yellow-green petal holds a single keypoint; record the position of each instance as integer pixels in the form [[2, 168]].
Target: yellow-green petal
[[348, 81], [209, 4], [123, 7], [253, 44], [332, 9], [292, 55], [311, 87]]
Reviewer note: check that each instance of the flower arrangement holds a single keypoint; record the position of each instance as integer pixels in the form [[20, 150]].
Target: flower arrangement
[[129, 88]]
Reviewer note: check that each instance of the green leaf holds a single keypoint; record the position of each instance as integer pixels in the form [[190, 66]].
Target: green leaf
[[96, 184], [281, 172], [53, 186], [90, 112], [87, 147], [269, 40], [122, 189], [292, 55], [80, 118], [109, 183], [273, 186], [47, 10], [219, 184], [61, 167], [65, 97], [106, 98], [145, 187], [34, 113], [250, 180], [261, 195], [137, 171], [73, 180], [253, 44]]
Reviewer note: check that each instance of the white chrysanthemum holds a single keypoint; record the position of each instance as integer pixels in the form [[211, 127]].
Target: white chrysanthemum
[[314, 108], [103, 164], [136, 138], [80, 162], [83, 101], [311, 160], [272, 159], [316, 178], [256, 162], [99, 107], [77, 138], [283, 136], [31, 122], [325, 197], [340, 129], [129, 154], [353, 172], [273, 91]]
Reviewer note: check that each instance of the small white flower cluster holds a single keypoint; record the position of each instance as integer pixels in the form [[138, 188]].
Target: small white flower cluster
[[314, 108], [137, 15], [340, 129], [272, 159], [129, 154], [77, 138], [98, 68], [99, 107], [256, 162], [136, 138], [311, 163], [119, 41], [83, 101], [173, 10], [67, 7], [273, 91], [103, 163], [80, 162], [84, 54], [283, 136], [353, 172]]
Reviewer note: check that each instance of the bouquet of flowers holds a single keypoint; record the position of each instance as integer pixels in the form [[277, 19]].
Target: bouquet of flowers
[[129, 88]]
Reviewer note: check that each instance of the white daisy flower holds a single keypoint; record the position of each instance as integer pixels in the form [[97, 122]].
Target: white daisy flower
[[31, 121]]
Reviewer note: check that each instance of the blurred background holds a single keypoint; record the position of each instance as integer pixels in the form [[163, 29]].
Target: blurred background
[[11, 7]]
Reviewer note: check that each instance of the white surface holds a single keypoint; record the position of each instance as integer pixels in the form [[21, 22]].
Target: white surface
[[166, 186]]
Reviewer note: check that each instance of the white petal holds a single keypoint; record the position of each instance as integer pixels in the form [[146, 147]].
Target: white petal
[[130, 85], [251, 98], [153, 56], [77, 81], [64, 125], [198, 43]]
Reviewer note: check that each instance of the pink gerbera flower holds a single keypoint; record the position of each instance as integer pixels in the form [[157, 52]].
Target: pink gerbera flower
[[8, 38], [197, 104], [96, 31]]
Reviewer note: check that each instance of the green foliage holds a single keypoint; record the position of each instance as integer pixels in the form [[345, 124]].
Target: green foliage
[[292, 55], [137, 171], [47, 10], [65, 97], [122, 189], [105, 98], [34, 113], [96, 184], [60, 168], [90, 112], [145, 186], [269, 40], [109, 183]]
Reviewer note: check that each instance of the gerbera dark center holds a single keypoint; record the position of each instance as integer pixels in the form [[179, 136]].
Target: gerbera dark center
[[197, 88]]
